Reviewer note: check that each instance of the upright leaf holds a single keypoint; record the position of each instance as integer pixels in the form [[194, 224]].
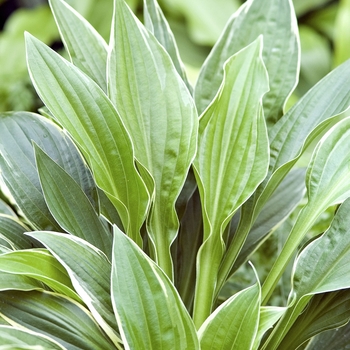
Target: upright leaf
[[90, 275], [327, 182], [231, 161], [157, 24], [149, 311], [321, 267], [324, 311], [82, 108], [69, 204], [86, 47], [276, 22], [54, 316], [159, 113], [17, 162], [234, 324]]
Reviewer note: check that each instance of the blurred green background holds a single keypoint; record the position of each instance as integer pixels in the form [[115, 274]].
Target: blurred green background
[[324, 27]]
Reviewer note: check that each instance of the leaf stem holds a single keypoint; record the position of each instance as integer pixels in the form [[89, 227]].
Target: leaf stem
[[304, 222]]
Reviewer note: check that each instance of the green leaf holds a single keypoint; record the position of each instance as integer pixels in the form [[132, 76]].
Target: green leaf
[[9, 281], [6, 209], [16, 338], [160, 114], [341, 28], [90, 275], [325, 311], [234, 324], [12, 231], [321, 267], [275, 20], [157, 24], [231, 161], [327, 182], [55, 316], [86, 48], [41, 266], [337, 339], [17, 131], [269, 315], [69, 205], [82, 108], [283, 201], [306, 121], [149, 311]]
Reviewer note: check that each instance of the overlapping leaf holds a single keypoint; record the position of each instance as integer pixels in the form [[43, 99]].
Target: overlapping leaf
[[86, 48], [39, 265], [275, 20], [234, 324], [321, 267], [82, 108], [90, 275], [157, 24], [328, 183], [69, 204], [17, 131], [149, 310], [232, 157], [17, 338], [160, 115], [55, 316]]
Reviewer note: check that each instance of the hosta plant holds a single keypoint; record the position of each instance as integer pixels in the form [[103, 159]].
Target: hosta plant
[[138, 196]]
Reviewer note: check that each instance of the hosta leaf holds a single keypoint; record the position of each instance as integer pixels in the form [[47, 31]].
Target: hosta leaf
[[325, 311], [41, 266], [286, 197], [149, 311], [234, 324], [55, 316], [157, 24], [314, 114], [86, 48], [90, 275], [10, 281], [159, 113], [12, 231], [69, 205], [232, 157], [16, 338], [82, 108], [275, 20], [6, 209], [337, 339], [269, 315], [321, 267], [17, 131], [327, 182]]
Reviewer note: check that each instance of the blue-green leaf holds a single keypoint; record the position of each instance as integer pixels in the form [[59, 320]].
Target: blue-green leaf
[[231, 161], [275, 20], [161, 117], [149, 311], [69, 205], [90, 275], [86, 47], [82, 108]]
